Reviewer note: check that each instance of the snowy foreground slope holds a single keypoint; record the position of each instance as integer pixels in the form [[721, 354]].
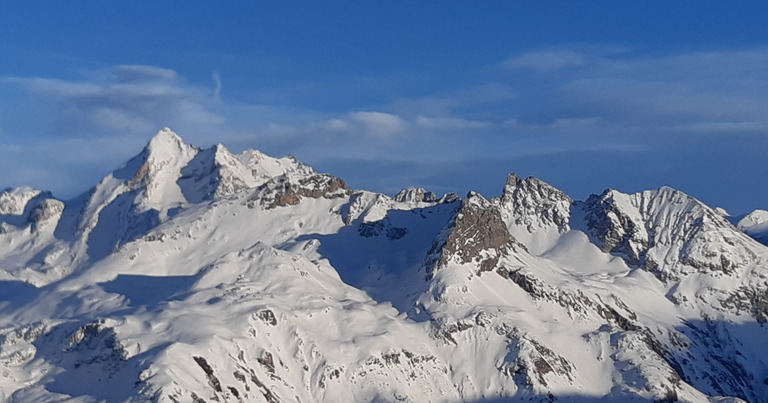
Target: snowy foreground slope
[[192, 275]]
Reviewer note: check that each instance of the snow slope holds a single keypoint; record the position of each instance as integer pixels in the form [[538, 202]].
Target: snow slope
[[199, 275]]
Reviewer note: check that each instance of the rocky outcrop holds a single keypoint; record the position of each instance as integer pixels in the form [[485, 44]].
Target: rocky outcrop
[[47, 210], [25, 207], [415, 195], [367, 206]]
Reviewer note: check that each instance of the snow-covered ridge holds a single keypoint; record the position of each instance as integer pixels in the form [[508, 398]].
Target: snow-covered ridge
[[755, 224], [14, 201], [201, 275]]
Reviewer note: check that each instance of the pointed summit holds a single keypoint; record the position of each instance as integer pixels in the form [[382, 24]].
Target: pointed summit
[[166, 151], [167, 143]]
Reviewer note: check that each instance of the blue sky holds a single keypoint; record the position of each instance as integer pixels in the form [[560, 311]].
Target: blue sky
[[451, 96]]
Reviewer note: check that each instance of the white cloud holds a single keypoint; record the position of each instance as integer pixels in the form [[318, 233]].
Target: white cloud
[[337, 125], [356, 128], [449, 123], [117, 120], [379, 124]]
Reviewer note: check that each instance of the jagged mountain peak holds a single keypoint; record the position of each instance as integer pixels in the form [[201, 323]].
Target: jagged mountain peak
[[152, 174], [164, 154], [536, 212], [198, 274], [535, 203], [513, 180]]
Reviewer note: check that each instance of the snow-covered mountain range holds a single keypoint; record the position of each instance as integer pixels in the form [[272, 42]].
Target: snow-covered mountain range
[[191, 275]]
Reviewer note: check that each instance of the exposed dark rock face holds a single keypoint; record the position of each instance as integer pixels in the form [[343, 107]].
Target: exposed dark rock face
[[268, 317], [371, 229], [476, 234], [286, 191], [267, 362], [615, 230], [751, 301], [213, 381]]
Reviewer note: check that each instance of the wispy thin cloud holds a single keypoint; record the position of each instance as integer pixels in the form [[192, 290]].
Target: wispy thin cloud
[[217, 81], [122, 100], [547, 60], [137, 73]]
